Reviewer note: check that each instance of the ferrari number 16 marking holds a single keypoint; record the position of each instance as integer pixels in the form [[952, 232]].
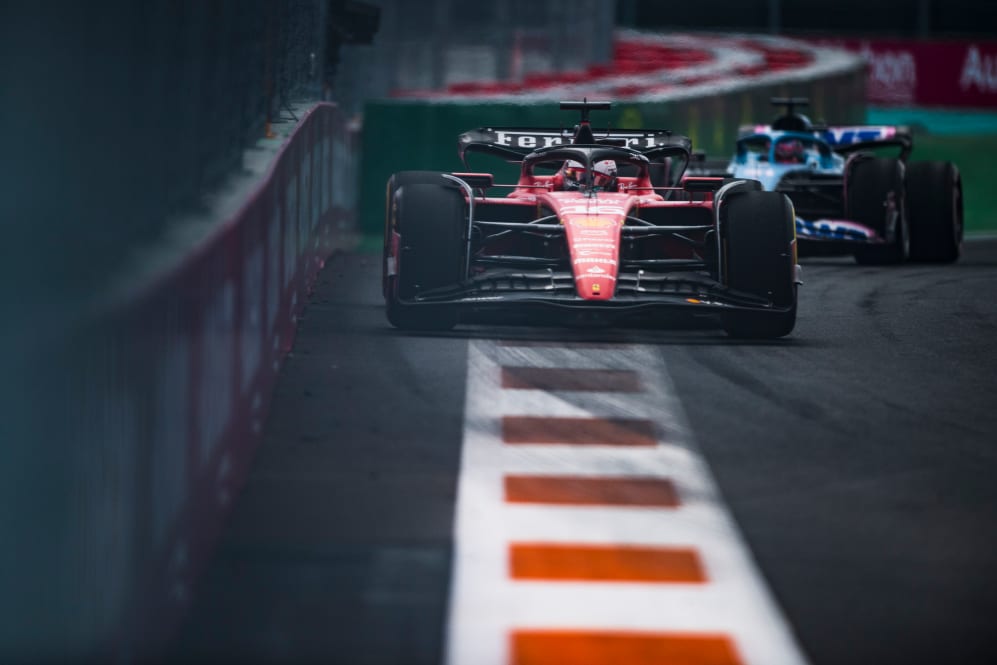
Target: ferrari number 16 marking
[[603, 261], [595, 245]]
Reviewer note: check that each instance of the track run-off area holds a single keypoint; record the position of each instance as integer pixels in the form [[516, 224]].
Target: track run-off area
[[590, 495]]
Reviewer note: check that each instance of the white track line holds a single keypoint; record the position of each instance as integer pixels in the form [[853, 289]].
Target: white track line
[[486, 604]]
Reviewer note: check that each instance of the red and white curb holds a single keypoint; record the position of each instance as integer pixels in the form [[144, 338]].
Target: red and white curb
[[588, 528], [650, 66]]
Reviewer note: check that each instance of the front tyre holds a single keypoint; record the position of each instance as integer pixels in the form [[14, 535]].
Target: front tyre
[[395, 182], [759, 239], [430, 221]]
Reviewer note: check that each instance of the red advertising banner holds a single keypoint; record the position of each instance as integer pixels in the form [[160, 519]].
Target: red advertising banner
[[907, 72]]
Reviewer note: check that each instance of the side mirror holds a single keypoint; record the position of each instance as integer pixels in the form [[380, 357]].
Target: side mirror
[[476, 180], [702, 184]]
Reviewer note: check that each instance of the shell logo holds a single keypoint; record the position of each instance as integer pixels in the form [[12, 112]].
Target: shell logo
[[592, 222]]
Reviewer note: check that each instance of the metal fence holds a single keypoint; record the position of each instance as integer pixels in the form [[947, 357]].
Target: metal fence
[[118, 118], [121, 115]]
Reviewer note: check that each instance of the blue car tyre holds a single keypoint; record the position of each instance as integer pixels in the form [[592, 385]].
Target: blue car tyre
[[874, 196], [934, 209]]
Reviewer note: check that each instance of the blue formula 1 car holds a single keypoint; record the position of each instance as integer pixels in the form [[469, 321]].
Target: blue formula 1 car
[[848, 198]]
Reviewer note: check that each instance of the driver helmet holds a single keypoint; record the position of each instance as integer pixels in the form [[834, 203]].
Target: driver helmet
[[604, 175], [574, 174], [789, 152]]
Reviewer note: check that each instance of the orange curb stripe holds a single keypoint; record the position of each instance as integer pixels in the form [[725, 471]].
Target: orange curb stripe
[[588, 491], [578, 431], [560, 647], [544, 378], [604, 563]]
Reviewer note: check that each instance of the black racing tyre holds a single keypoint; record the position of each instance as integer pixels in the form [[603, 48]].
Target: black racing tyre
[[402, 178], [934, 211], [745, 184], [874, 196], [430, 219], [397, 180], [759, 234]]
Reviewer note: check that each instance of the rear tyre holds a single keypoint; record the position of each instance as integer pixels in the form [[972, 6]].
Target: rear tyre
[[759, 233], [934, 211], [430, 221], [875, 198]]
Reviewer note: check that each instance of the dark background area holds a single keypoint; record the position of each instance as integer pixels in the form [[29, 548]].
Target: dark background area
[[841, 18], [120, 116]]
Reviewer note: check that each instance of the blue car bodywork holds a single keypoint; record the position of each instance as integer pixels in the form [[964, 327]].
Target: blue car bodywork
[[810, 167], [853, 188]]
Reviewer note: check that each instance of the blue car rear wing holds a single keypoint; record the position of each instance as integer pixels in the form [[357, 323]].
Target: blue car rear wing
[[846, 139], [854, 138]]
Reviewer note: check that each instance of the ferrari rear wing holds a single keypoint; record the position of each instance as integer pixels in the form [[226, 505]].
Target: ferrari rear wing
[[514, 143]]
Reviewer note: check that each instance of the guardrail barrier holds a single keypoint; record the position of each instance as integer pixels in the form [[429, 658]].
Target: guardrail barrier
[[157, 408]]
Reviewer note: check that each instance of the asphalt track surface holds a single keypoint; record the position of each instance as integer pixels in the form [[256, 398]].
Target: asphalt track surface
[[858, 457]]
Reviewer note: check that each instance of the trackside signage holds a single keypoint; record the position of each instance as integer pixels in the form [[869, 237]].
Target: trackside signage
[[929, 73]]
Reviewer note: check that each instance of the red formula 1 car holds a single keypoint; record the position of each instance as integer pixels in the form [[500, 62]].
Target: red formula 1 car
[[600, 227]]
